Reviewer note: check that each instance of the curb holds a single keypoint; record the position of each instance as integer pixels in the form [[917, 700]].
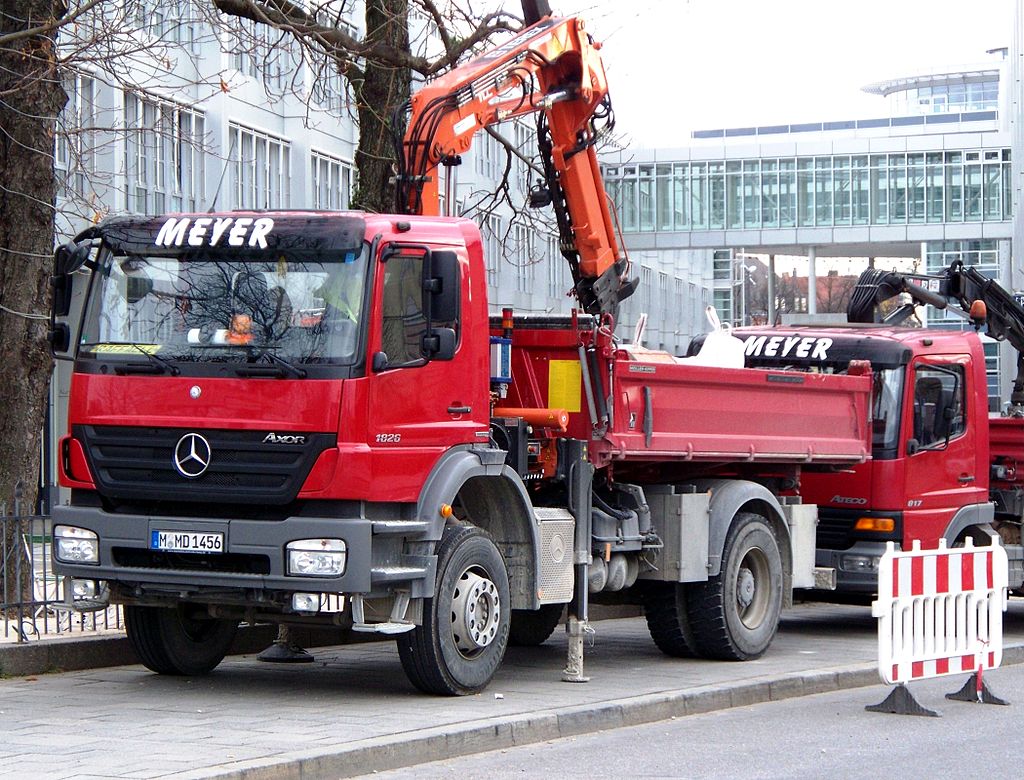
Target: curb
[[426, 745]]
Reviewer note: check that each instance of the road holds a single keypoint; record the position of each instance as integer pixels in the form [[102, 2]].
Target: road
[[353, 711], [826, 735]]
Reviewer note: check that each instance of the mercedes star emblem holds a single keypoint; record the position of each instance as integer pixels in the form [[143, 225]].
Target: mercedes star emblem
[[191, 455]]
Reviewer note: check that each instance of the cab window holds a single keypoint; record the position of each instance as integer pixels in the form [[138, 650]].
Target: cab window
[[938, 405]]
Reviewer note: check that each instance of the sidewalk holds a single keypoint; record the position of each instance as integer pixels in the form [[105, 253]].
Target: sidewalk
[[353, 712]]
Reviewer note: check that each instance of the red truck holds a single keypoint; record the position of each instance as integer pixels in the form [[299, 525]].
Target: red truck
[[313, 418], [942, 466]]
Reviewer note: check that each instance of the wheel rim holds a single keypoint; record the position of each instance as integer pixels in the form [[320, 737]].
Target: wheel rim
[[753, 588], [476, 612]]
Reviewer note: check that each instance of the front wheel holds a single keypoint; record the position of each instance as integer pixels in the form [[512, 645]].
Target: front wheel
[[461, 642], [175, 640], [734, 616]]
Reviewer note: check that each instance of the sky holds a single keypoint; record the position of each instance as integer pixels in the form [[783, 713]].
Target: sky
[[675, 67]]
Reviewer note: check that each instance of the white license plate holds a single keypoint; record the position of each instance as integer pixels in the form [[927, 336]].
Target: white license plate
[[187, 541]]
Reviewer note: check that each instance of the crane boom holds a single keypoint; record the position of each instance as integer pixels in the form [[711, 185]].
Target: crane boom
[[980, 298], [552, 69]]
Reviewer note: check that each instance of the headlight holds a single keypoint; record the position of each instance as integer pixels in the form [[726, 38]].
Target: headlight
[[75, 545], [865, 564], [317, 557]]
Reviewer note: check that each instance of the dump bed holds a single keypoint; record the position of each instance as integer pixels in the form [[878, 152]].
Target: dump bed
[[699, 413], [661, 409], [1006, 445]]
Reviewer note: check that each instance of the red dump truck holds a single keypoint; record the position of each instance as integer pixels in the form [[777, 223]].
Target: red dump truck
[[313, 418], [942, 466]]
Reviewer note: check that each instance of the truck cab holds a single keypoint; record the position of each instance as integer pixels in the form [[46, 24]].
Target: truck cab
[[928, 476]]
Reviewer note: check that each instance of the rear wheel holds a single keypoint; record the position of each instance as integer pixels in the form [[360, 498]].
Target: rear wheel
[[530, 628], [665, 608], [175, 640], [734, 616], [462, 640]]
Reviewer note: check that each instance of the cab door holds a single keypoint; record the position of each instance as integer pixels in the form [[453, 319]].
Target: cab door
[[944, 470], [420, 405]]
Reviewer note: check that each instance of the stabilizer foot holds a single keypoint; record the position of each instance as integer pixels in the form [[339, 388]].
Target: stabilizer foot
[[573, 672], [901, 701], [284, 651], [976, 691]]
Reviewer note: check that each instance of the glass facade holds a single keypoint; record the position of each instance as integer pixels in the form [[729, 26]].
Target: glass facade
[[942, 98], [820, 191]]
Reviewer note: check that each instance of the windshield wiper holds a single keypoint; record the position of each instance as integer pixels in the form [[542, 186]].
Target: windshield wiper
[[156, 365], [281, 366]]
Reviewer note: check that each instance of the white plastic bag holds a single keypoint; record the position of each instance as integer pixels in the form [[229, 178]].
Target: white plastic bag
[[720, 347]]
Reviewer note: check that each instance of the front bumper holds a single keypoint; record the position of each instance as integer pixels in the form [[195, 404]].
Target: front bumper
[[253, 561], [856, 567]]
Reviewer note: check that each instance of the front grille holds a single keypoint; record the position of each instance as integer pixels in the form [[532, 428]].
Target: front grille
[[836, 528], [232, 563], [834, 532], [138, 464]]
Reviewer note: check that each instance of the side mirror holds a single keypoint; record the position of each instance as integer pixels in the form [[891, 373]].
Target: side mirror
[[59, 337], [69, 257], [441, 286], [439, 344], [913, 446]]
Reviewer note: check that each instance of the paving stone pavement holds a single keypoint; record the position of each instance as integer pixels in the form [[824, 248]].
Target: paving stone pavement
[[353, 711]]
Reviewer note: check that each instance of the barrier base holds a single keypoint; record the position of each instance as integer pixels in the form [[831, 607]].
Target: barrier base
[[975, 692], [901, 701]]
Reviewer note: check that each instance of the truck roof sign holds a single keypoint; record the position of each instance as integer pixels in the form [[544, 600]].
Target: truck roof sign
[[210, 231], [238, 234]]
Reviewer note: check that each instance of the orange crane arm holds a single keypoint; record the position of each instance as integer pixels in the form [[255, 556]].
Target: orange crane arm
[[551, 68]]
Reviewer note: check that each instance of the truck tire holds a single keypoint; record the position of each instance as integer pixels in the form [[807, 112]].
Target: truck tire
[[169, 641], [462, 640], [529, 628], [665, 608], [734, 616]]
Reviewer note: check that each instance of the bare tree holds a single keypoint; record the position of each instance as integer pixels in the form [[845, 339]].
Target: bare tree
[[378, 68]]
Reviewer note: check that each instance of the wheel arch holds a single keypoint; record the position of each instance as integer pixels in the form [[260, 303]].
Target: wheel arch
[[490, 496], [731, 496], [974, 520]]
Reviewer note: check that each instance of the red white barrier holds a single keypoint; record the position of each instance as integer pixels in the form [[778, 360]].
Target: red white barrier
[[940, 611]]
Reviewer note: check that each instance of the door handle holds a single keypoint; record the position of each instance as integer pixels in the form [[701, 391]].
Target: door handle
[[965, 479], [460, 409]]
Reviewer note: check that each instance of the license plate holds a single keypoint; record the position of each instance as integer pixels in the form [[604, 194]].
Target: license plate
[[187, 541]]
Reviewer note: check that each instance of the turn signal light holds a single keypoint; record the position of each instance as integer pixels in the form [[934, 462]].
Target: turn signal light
[[883, 524]]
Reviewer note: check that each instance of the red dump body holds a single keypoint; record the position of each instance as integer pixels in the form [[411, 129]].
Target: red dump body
[[1006, 443], [666, 411]]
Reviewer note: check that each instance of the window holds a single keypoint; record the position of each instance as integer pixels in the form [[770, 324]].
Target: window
[[938, 405], [328, 87], [556, 269], [260, 169], [526, 260], [76, 136], [262, 52], [165, 165], [331, 182], [404, 322], [170, 21], [491, 231]]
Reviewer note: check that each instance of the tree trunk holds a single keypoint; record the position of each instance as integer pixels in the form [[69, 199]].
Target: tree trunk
[[378, 94], [30, 99]]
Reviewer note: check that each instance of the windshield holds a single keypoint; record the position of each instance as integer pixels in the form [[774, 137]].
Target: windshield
[[200, 305], [886, 395]]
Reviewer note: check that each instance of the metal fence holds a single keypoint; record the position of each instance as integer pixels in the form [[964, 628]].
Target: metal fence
[[32, 605]]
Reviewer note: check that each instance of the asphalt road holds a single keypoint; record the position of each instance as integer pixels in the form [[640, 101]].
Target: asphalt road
[[826, 735], [353, 712]]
